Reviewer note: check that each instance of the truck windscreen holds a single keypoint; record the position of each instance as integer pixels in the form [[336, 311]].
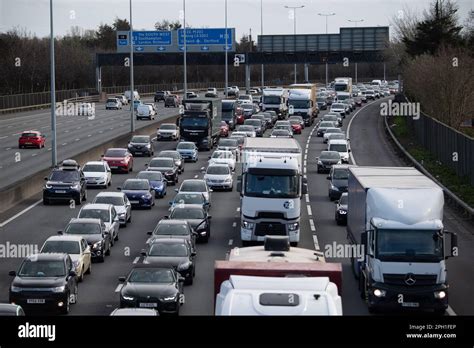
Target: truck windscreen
[[299, 104], [340, 87], [404, 245], [194, 122], [271, 186], [271, 99]]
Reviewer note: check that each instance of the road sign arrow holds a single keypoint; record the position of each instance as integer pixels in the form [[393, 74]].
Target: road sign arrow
[[139, 48], [161, 48], [205, 48]]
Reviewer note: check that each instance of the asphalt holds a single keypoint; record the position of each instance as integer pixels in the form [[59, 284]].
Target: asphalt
[[98, 294]]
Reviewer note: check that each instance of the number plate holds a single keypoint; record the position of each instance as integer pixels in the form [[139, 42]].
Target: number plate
[[410, 304], [134, 202], [60, 191], [113, 167], [28, 143], [149, 305], [35, 300], [138, 153]]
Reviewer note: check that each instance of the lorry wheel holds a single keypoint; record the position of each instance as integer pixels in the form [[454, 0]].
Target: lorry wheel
[[294, 244], [354, 266]]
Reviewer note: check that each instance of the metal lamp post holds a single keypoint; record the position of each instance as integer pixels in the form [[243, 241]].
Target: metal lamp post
[[327, 15], [294, 8]]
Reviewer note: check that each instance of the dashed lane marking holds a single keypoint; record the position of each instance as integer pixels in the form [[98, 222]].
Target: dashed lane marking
[[136, 259], [20, 213], [310, 212], [316, 242], [307, 197], [234, 224], [311, 225]]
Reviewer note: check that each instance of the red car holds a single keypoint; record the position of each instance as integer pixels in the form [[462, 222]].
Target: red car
[[296, 126], [119, 160], [31, 138], [239, 114], [224, 129]]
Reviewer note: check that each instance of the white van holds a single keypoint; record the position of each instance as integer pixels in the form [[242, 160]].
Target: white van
[[250, 295], [145, 111], [128, 95], [341, 146]]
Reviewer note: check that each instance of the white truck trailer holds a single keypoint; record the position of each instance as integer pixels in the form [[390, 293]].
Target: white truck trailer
[[271, 187], [396, 214]]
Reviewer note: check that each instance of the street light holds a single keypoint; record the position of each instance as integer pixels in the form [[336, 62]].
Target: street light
[[355, 21], [327, 15], [294, 8], [54, 157], [132, 89], [261, 33], [226, 64], [185, 72]]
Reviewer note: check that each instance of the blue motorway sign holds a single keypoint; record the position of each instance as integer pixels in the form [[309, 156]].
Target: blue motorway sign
[[151, 38], [205, 37]]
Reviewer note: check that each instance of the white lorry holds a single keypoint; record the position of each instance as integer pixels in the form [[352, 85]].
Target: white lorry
[[302, 102], [395, 214], [275, 279], [275, 99], [271, 187], [343, 84]]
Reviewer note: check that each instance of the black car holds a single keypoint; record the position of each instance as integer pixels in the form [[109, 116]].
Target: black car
[[341, 209], [94, 232], [176, 156], [167, 167], [171, 100], [167, 228], [338, 181], [45, 281], [141, 145], [229, 113], [172, 252], [65, 183], [161, 95], [160, 288], [197, 216], [11, 310], [322, 104], [327, 159]]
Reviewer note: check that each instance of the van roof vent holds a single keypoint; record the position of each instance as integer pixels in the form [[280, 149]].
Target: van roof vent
[[277, 243]]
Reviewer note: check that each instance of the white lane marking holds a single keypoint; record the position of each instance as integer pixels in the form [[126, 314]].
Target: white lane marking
[[196, 176], [450, 311], [78, 127], [44, 127], [64, 144], [238, 209], [316, 242], [305, 177], [307, 197], [304, 170], [231, 241], [310, 212], [49, 149], [66, 131], [234, 224], [304, 163], [15, 134], [77, 139], [89, 135], [8, 148], [6, 136], [311, 225], [136, 259], [100, 132], [20, 213], [118, 288], [33, 155], [112, 128], [306, 151]]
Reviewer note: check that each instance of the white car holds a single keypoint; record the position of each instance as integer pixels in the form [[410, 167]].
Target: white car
[[339, 108], [97, 173], [211, 93], [219, 176], [341, 146], [146, 111], [196, 185], [167, 131], [331, 130], [119, 200], [249, 130], [122, 99], [106, 213], [223, 157], [246, 98], [76, 247], [128, 95], [113, 103]]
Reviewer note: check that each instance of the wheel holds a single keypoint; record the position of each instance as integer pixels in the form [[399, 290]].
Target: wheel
[[78, 200], [46, 201], [81, 278], [89, 270], [131, 169], [189, 280], [116, 236], [85, 196], [129, 218], [110, 183], [67, 307], [245, 243]]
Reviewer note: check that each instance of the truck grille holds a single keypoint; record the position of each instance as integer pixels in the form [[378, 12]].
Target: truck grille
[[270, 228], [407, 279], [270, 215]]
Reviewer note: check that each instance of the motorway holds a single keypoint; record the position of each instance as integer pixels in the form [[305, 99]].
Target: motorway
[[98, 294], [75, 134]]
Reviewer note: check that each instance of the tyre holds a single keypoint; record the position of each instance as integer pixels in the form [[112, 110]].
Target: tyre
[[46, 201], [189, 280], [107, 253], [78, 200], [84, 198], [89, 270], [81, 278], [117, 236], [65, 309]]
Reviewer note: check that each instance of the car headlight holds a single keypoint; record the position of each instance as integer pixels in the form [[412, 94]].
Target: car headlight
[[335, 188], [170, 298], [130, 145], [440, 294], [15, 289], [294, 226], [121, 214], [145, 196], [228, 180], [148, 146], [342, 212], [379, 293], [75, 187], [48, 186], [58, 289], [169, 173], [320, 163], [75, 263], [97, 245], [248, 225], [184, 266], [128, 298]]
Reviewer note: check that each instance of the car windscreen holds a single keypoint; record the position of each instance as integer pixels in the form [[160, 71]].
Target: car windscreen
[[93, 168], [168, 126], [333, 130], [246, 129], [115, 153], [83, 228], [64, 175], [341, 174], [136, 185], [42, 268], [299, 104], [168, 249], [344, 199], [218, 170], [114, 200], [228, 142], [326, 155], [102, 214], [227, 106], [193, 186], [171, 229], [194, 122], [187, 213], [185, 146], [326, 124], [171, 154], [150, 175], [280, 132], [271, 100], [147, 275], [222, 154], [29, 135], [162, 162], [338, 147], [338, 106], [140, 139], [61, 246], [254, 123], [188, 198]]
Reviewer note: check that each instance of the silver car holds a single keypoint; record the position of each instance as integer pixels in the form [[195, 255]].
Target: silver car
[[106, 213], [119, 200]]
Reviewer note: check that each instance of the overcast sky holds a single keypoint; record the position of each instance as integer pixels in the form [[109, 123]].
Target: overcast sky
[[33, 15]]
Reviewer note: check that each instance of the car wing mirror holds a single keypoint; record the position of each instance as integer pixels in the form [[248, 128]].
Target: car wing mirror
[[143, 252]]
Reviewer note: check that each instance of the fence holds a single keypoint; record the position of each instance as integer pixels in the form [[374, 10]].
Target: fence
[[450, 147]]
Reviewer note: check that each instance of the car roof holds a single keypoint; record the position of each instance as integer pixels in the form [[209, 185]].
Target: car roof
[[332, 152], [173, 221], [46, 256], [66, 237], [338, 141], [85, 221], [110, 194], [162, 158], [96, 162], [191, 206], [194, 180], [97, 205], [31, 131], [170, 241], [186, 142]]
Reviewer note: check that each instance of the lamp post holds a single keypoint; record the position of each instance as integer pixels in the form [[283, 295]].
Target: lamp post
[[132, 88], [54, 156], [294, 8], [226, 54], [261, 33], [327, 15], [355, 21], [185, 72]]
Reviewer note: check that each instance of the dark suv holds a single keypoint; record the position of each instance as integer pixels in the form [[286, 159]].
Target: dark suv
[[161, 95], [43, 281], [65, 183], [229, 113], [338, 180]]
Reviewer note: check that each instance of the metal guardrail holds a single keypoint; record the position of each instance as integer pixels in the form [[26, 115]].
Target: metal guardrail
[[420, 167], [93, 98]]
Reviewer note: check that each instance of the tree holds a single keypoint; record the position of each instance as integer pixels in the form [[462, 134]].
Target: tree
[[121, 24], [439, 27], [167, 25]]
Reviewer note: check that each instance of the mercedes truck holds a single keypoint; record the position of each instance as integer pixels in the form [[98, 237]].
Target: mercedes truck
[[396, 215], [271, 187], [302, 102], [199, 121]]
